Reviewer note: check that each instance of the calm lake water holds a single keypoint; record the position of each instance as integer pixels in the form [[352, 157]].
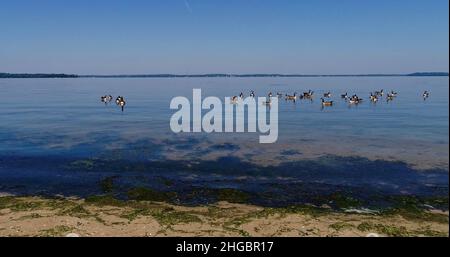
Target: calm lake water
[[58, 138]]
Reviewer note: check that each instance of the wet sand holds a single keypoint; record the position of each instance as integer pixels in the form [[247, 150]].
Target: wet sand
[[108, 217]]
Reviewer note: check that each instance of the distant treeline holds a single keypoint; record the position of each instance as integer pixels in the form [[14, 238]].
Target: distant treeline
[[27, 75], [425, 74], [261, 75], [37, 75]]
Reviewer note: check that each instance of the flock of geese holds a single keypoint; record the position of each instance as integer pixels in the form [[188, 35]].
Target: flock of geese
[[325, 99], [309, 95], [120, 100]]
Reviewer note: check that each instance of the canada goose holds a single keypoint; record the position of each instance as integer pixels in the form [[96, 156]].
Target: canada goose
[[379, 93], [241, 95], [344, 96], [426, 94], [373, 98], [326, 103], [106, 99], [122, 104], [327, 95], [252, 94], [119, 99], [291, 97], [308, 94], [391, 95], [270, 94], [355, 99]]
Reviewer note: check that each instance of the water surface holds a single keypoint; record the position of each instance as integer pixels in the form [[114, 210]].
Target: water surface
[[49, 126]]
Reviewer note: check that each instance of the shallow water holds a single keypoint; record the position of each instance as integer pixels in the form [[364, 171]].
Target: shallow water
[[56, 122]]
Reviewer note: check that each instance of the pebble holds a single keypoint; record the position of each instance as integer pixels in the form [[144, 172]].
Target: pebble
[[72, 235]]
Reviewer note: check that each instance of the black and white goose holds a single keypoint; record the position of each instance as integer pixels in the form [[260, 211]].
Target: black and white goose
[[373, 98], [379, 93], [103, 99], [354, 100], [106, 99], [122, 103], [390, 97], [393, 93], [119, 99], [308, 94]]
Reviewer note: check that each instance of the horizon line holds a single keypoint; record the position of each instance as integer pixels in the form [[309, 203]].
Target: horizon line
[[168, 75]]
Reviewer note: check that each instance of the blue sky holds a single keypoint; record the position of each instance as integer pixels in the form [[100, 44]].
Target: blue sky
[[230, 36]]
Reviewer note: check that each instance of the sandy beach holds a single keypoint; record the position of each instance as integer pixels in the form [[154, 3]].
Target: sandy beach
[[104, 216]]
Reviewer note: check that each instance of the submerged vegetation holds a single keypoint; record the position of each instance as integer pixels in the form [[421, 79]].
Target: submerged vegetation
[[238, 181], [232, 195], [107, 184], [342, 201], [222, 207]]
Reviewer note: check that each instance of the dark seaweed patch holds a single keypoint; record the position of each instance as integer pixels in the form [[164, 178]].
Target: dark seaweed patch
[[225, 147], [147, 194], [107, 184], [290, 152], [340, 182]]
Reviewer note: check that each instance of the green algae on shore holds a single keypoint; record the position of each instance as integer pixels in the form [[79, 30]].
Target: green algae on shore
[[147, 194], [232, 219]]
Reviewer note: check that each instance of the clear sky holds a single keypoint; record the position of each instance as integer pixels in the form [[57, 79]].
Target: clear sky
[[227, 36]]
